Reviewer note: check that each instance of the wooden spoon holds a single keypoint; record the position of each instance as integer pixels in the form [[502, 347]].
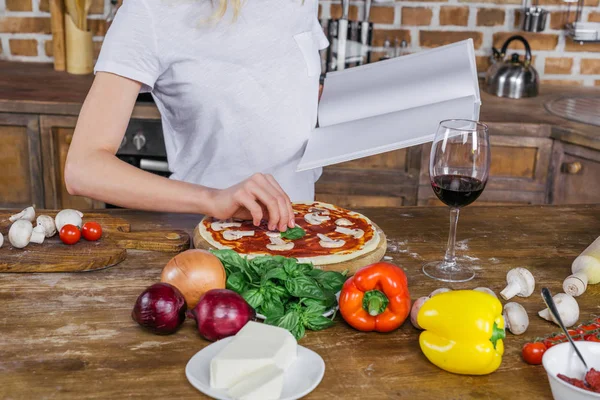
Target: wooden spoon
[[86, 10], [72, 10], [80, 5]]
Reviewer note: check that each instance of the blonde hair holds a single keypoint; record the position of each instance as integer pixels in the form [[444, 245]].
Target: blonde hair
[[222, 9]]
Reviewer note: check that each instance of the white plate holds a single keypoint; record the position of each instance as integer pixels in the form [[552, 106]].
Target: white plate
[[301, 378], [326, 314]]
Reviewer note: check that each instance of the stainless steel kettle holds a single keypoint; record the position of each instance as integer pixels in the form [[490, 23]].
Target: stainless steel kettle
[[512, 78]]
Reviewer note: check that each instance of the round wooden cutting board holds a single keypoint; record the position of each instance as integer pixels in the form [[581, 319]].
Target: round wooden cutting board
[[352, 265]]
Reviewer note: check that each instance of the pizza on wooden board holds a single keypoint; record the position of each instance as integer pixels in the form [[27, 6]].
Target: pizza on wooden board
[[331, 235]]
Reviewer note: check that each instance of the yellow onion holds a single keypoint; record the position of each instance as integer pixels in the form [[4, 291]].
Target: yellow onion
[[194, 272]]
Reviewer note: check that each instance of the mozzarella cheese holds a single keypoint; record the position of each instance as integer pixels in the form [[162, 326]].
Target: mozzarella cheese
[[263, 384], [254, 347]]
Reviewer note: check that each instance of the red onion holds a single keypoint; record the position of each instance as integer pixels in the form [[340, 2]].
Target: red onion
[[160, 309], [221, 313]]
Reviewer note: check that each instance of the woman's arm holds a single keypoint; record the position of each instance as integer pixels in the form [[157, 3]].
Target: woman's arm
[[93, 170]]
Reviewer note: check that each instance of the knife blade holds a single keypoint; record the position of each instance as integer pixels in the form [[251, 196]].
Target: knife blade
[[342, 35]]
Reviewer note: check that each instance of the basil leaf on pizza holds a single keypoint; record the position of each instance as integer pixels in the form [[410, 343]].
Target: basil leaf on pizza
[[293, 233]]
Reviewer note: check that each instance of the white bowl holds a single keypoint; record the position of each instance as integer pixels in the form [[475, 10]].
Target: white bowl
[[562, 359]]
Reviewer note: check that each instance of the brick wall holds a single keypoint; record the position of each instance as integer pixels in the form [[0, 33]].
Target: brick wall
[[25, 31]]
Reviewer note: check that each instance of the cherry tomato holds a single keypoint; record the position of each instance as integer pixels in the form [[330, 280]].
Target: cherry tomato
[[576, 334], [91, 231], [554, 340], [593, 338], [532, 352], [69, 234], [590, 327]]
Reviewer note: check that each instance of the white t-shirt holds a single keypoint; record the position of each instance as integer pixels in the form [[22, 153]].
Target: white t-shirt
[[236, 98]]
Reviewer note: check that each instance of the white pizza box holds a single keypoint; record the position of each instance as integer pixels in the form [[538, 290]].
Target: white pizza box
[[392, 104]]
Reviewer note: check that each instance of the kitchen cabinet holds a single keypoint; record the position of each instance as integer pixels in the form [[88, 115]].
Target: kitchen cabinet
[[21, 182], [576, 175], [56, 134]]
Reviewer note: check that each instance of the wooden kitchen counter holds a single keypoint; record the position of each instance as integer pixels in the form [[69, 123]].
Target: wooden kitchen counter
[[70, 336]]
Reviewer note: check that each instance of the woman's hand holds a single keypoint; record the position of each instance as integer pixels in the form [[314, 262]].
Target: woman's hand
[[258, 197]]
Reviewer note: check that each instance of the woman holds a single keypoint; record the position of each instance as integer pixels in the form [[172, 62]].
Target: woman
[[237, 89]]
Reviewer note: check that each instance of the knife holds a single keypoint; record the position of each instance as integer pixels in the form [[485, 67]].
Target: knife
[[364, 33], [342, 35]]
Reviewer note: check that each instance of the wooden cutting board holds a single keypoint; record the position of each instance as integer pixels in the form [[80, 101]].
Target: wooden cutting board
[[54, 256], [352, 265]]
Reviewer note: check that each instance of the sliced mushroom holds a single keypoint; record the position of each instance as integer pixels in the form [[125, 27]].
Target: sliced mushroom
[[278, 244], [330, 243], [516, 318], [316, 219], [218, 226], [355, 233], [273, 234], [21, 234], [46, 225], [68, 217], [520, 283], [27, 214], [236, 235], [568, 309], [317, 210], [343, 222]]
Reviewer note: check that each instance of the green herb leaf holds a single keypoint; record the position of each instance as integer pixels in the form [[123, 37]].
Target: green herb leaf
[[272, 307], [289, 321], [293, 233], [275, 273], [299, 331], [254, 297], [318, 322], [290, 265], [304, 286], [331, 280], [230, 259], [236, 282], [305, 268]]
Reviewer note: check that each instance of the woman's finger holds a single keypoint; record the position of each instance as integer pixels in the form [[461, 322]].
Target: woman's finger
[[249, 202], [290, 220], [268, 200]]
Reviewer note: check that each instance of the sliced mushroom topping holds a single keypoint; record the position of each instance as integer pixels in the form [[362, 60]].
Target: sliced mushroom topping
[[330, 243], [343, 222], [316, 219], [235, 235], [273, 234], [221, 225], [278, 244], [316, 210], [355, 233]]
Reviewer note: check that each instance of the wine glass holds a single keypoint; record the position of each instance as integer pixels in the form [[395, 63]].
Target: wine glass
[[458, 168]]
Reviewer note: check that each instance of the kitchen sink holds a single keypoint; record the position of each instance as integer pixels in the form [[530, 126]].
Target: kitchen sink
[[584, 109]]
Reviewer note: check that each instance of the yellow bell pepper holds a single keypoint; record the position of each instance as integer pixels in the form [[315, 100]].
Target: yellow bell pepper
[[463, 332]]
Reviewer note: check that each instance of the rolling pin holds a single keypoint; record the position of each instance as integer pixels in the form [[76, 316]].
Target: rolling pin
[[585, 269], [57, 22]]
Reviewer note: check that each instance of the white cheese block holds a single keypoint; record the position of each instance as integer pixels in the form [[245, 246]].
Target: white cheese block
[[263, 384], [255, 346]]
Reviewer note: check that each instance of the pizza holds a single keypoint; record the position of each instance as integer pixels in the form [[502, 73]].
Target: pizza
[[328, 235]]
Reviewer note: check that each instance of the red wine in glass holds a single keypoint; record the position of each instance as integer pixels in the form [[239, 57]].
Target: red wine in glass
[[457, 190], [459, 166]]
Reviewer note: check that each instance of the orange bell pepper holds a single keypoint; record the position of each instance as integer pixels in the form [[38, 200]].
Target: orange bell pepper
[[376, 298]]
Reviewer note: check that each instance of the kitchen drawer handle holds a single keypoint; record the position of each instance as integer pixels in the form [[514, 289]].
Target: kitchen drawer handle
[[68, 138], [572, 167]]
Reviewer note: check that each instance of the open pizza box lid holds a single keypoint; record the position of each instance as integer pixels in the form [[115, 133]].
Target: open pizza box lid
[[392, 104]]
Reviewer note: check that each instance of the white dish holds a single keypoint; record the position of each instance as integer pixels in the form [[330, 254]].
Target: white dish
[[562, 359], [326, 314], [301, 378]]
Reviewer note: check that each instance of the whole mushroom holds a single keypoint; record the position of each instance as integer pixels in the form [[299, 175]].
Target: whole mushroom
[[27, 214], [520, 283], [486, 290], [516, 318], [46, 225], [414, 311], [568, 309], [440, 290], [1, 240], [21, 233], [68, 217]]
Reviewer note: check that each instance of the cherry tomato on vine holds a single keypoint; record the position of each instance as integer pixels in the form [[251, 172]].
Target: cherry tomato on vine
[[69, 234], [593, 338], [91, 231], [590, 327], [532, 352], [552, 341]]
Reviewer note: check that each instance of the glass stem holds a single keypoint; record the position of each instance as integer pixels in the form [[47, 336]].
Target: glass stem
[[450, 258]]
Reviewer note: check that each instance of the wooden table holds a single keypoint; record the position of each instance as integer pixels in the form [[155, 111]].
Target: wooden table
[[70, 336]]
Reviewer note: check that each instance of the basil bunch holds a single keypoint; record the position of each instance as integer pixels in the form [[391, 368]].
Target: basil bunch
[[290, 294]]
